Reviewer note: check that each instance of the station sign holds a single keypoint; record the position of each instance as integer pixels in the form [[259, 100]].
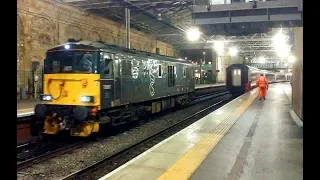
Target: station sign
[[253, 61], [270, 65]]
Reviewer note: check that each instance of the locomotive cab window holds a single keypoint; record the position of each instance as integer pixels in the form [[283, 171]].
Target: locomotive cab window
[[171, 76], [79, 62]]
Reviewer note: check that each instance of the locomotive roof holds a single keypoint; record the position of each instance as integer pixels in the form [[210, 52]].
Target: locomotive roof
[[98, 45]]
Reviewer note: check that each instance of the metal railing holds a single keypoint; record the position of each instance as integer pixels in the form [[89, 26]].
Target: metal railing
[[219, 2]]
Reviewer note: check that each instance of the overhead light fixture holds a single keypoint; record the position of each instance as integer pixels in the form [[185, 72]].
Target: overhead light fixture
[[262, 59], [193, 34], [219, 47], [281, 47], [291, 59], [233, 51]]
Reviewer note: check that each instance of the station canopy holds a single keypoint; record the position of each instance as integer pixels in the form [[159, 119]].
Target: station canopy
[[169, 21]]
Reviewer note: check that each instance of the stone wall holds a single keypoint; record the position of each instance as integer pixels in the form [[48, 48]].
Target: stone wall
[[45, 23], [297, 73], [222, 62]]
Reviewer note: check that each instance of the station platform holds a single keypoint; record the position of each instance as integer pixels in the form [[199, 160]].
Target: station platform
[[246, 139], [25, 107], [204, 86]]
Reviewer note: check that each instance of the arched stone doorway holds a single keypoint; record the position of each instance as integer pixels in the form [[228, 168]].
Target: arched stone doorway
[[42, 36], [94, 36], [73, 32]]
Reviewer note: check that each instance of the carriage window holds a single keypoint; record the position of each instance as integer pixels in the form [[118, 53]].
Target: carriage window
[[160, 71], [116, 65], [171, 76], [191, 71], [108, 67], [236, 78], [108, 70], [126, 67], [184, 71]]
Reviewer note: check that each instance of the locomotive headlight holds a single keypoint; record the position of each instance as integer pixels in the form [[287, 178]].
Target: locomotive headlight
[[67, 46], [45, 97], [87, 99]]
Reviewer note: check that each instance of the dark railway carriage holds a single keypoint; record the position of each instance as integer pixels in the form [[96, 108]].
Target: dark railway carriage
[[239, 74], [87, 84], [237, 77], [135, 76]]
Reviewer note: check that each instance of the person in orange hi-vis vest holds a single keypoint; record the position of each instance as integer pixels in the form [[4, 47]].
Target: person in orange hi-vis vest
[[248, 86], [262, 85]]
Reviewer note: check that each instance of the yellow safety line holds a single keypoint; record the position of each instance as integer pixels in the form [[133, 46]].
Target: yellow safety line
[[191, 160]]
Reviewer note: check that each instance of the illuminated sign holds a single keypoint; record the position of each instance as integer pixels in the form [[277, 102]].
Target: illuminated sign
[[270, 65], [253, 61]]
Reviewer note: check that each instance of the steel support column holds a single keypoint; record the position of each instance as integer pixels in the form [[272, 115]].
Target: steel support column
[[127, 13]]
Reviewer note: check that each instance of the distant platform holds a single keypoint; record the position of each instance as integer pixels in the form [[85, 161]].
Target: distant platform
[[203, 86], [25, 107]]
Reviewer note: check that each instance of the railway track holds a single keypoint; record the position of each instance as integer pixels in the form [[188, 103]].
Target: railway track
[[108, 164], [39, 150]]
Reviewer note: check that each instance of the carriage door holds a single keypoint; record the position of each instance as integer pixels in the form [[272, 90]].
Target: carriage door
[[236, 77], [107, 80], [117, 80]]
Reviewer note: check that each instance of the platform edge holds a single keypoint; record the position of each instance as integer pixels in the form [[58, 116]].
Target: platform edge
[[296, 118]]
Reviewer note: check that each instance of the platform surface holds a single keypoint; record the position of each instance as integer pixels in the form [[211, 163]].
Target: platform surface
[[201, 86], [25, 107], [265, 143], [245, 139]]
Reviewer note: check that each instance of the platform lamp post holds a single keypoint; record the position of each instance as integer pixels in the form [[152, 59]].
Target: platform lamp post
[[233, 51], [193, 34], [204, 60], [35, 76], [218, 46]]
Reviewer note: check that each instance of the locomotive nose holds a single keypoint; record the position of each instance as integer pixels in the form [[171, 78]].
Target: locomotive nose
[[40, 110], [80, 113]]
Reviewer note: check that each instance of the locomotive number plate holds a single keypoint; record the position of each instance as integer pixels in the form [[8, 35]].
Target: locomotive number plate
[[106, 86]]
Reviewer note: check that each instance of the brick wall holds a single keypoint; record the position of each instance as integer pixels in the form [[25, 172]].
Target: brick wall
[[226, 61], [45, 23]]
